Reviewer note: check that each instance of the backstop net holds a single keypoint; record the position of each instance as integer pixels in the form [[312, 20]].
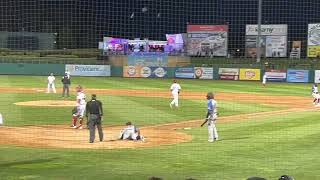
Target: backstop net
[[226, 28]]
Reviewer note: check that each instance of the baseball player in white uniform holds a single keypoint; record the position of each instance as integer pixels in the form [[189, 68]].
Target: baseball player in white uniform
[[51, 86], [131, 132], [264, 79], [1, 119], [315, 94], [175, 90], [81, 106], [211, 118]]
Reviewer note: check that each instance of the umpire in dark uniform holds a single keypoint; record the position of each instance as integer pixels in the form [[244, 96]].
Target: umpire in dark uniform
[[94, 115], [66, 84]]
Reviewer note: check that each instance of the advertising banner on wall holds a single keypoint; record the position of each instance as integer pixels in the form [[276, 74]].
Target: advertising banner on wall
[[187, 73], [267, 29], [145, 72], [276, 75], [175, 42], [297, 75], [317, 76], [159, 72], [251, 46], [207, 40], [88, 70], [273, 40], [314, 40], [313, 51], [228, 73], [249, 74], [276, 46], [131, 71], [203, 73], [153, 72], [296, 49], [150, 59]]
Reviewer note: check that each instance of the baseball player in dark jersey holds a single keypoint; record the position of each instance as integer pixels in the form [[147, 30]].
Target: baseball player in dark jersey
[[66, 85], [94, 115]]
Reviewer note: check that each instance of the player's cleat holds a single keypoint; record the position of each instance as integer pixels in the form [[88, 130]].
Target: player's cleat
[[80, 127], [74, 127], [210, 140]]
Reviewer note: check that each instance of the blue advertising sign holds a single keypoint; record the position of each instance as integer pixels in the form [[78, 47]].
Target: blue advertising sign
[[184, 73], [297, 75], [148, 59]]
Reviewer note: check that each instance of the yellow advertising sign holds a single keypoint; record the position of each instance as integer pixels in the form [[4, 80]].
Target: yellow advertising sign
[[313, 51], [250, 74]]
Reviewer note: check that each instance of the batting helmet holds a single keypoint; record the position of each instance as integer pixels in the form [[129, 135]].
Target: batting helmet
[[210, 95]]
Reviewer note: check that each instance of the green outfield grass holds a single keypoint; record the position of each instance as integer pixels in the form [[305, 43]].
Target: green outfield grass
[[275, 88], [266, 147]]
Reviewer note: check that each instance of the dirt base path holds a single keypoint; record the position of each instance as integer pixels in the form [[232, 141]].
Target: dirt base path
[[58, 136]]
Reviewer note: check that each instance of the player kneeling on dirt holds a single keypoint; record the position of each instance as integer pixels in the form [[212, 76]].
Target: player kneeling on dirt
[[131, 132]]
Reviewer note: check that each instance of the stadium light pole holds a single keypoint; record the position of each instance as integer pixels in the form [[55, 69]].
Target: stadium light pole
[[259, 31]]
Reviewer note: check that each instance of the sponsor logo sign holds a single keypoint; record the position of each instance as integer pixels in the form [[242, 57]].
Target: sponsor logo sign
[[317, 76], [144, 72], [203, 73], [297, 75], [88, 70], [276, 75], [250, 74], [229, 73], [205, 40], [184, 73]]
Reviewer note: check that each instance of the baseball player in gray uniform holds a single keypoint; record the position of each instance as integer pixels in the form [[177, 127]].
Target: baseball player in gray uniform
[[211, 118]]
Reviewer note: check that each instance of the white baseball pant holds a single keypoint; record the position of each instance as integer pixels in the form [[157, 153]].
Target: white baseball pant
[[51, 86], [212, 129], [175, 100]]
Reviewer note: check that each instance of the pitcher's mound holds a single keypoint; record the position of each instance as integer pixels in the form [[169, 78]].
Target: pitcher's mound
[[48, 103]]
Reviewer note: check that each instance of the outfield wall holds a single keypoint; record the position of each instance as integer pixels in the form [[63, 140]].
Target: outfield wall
[[214, 73], [31, 69]]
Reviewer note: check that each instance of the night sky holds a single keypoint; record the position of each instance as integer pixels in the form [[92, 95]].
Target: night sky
[[82, 23]]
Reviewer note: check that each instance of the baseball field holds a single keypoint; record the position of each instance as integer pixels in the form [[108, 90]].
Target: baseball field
[[264, 131]]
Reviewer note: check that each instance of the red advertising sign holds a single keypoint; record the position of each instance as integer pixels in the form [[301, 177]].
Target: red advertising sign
[[210, 28]]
